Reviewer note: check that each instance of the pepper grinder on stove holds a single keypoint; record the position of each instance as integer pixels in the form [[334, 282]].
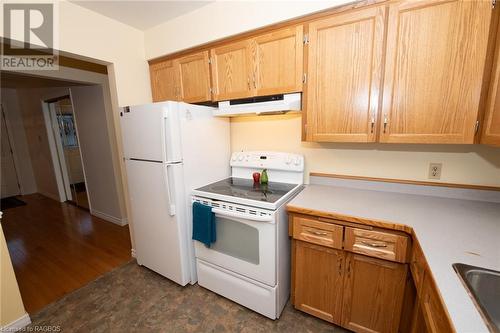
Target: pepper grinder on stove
[[263, 177]]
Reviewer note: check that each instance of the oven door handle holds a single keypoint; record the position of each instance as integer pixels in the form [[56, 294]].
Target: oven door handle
[[242, 216]]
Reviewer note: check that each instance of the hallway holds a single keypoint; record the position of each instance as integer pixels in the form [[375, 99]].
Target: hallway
[[57, 248]]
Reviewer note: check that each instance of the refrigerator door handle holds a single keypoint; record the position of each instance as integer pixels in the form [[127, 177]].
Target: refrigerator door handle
[[171, 204], [164, 136]]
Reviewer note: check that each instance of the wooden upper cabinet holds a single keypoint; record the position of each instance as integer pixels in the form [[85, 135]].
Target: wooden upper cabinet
[[194, 78], [491, 127], [373, 294], [318, 281], [344, 70], [278, 62], [232, 71], [436, 56], [164, 81]]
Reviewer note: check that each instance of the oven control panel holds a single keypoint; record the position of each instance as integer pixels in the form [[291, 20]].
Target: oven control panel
[[268, 160]]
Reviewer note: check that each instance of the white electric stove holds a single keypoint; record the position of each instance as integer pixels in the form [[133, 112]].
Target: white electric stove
[[250, 261]]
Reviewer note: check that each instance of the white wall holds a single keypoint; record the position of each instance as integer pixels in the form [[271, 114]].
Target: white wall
[[90, 115], [19, 144], [221, 19], [37, 139], [463, 164], [89, 34]]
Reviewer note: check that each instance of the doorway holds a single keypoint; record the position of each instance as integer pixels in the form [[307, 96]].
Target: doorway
[[10, 186], [64, 130]]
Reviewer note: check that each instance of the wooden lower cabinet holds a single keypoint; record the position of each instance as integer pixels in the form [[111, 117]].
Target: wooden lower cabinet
[[338, 276], [372, 294], [318, 280]]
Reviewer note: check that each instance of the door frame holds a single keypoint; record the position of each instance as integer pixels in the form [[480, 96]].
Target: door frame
[[56, 150], [15, 160]]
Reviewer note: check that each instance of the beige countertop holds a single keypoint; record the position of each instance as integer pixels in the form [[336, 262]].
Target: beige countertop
[[448, 230]]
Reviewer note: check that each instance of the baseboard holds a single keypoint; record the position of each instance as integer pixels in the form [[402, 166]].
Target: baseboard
[[17, 325], [107, 217], [133, 253], [50, 195]]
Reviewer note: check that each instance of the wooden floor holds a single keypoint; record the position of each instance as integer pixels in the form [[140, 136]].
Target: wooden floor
[[56, 248]]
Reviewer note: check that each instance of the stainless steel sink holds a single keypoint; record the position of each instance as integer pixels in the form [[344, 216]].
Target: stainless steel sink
[[484, 287]]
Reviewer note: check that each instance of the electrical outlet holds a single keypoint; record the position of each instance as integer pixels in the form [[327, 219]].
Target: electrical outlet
[[435, 170]]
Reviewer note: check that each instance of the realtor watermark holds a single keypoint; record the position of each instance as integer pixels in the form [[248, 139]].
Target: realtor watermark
[[32, 328], [30, 34]]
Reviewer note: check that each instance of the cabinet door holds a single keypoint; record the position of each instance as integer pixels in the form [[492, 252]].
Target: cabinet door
[[164, 81], [436, 52], [436, 317], [491, 128], [278, 62], [231, 71], [344, 76], [318, 281], [373, 294], [194, 77]]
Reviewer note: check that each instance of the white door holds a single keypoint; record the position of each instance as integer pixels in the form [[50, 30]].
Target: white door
[[151, 132], [8, 180], [159, 233], [244, 245]]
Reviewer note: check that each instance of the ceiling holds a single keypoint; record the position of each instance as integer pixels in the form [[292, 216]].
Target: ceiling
[[141, 14], [20, 81]]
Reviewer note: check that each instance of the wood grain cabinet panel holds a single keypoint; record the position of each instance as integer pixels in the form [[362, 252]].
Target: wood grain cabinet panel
[[344, 73], [436, 56], [491, 127], [164, 81], [318, 279], [194, 78], [278, 61], [232, 71], [434, 312], [373, 294], [417, 265]]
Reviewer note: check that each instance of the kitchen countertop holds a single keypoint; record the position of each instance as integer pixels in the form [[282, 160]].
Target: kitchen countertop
[[448, 230]]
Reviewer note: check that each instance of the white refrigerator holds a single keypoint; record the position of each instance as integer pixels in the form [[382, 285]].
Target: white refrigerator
[[169, 149]]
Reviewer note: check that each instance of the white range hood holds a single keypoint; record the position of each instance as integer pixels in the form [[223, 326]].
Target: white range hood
[[275, 104]]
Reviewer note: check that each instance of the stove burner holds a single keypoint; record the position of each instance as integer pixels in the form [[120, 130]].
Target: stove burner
[[246, 188]]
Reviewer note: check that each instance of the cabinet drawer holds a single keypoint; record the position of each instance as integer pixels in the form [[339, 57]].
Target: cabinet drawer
[[379, 244], [417, 265], [434, 312], [312, 231]]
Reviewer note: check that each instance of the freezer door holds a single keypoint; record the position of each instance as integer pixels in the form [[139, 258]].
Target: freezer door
[[150, 132], [160, 237]]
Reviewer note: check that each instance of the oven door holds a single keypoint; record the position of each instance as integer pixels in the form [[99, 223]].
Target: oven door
[[246, 244]]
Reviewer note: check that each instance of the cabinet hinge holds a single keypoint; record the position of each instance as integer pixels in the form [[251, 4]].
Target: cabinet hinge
[[209, 60], [306, 39], [476, 127], [493, 4], [304, 78]]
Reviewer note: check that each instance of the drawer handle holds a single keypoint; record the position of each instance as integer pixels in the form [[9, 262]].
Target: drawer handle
[[374, 244], [317, 233]]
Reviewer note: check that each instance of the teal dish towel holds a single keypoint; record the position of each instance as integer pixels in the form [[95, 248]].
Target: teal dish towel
[[203, 224]]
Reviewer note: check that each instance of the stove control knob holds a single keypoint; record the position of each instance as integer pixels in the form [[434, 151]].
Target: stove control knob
[[240, 157], [233, 158], [288, 160], [297, 161]]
